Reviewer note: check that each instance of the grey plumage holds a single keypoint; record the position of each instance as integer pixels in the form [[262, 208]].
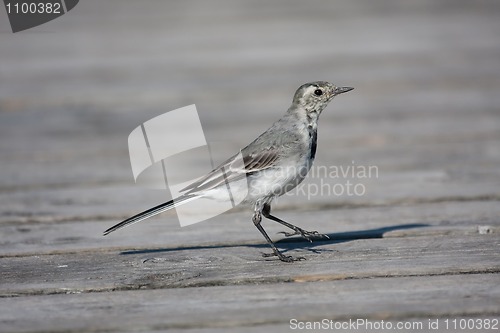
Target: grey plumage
[[273, 164]]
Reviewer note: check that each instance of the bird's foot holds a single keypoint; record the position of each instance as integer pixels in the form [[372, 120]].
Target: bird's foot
[[282, 257], [309, 235]]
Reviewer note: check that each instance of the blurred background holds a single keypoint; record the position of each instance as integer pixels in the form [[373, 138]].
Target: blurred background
[[425, 109]]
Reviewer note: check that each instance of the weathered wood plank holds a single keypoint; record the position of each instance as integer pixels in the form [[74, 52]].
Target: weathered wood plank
[[227, 265], [116, 202], [441, 218], [257, 304]]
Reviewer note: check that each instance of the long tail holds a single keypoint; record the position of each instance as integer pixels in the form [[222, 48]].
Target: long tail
[[151, 212]]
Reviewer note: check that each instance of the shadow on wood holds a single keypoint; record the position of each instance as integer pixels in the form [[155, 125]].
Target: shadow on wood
[[297, 242]]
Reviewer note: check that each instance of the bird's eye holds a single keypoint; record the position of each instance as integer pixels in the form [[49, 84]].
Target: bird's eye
[[318, 92]]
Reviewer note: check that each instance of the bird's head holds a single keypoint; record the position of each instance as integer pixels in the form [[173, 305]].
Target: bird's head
[[315, 96]]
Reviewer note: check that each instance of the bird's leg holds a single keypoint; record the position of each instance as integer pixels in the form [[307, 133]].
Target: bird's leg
[[309, 235], [257, 218]]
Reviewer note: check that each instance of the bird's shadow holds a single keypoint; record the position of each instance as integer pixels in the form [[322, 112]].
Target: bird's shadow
[[296, 242]]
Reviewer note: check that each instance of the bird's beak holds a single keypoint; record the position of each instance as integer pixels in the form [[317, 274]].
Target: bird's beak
[[341, 90]]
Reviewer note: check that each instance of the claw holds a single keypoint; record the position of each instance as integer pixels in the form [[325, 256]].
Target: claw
[[282, 257], [309, 235], [291, 259], [289, 234], [323, 236]]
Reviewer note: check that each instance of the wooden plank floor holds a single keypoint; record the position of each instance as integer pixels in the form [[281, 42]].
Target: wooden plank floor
[[420, 245]]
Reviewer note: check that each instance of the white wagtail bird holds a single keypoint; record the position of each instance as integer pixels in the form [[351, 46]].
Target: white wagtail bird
[[273, 164]]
